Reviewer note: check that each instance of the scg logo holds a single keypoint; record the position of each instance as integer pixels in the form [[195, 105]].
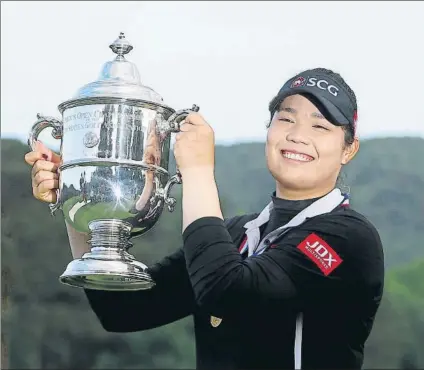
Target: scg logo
[[323, 85]]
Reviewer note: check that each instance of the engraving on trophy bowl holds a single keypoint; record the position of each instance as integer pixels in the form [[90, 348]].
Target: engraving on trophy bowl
[[115, 131], [91, 139]]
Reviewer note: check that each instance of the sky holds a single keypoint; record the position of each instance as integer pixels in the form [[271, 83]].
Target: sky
[[230, 58]]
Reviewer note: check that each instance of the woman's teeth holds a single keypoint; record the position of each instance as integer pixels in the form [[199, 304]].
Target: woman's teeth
[[297, 156]]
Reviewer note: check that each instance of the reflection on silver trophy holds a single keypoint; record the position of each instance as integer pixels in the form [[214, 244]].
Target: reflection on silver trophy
[[113, 181]]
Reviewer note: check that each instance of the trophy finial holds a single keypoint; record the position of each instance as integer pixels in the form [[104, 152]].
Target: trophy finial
[[121, 46], [118, 78]]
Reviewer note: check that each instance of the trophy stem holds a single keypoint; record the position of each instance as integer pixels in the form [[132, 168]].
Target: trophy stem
[[108, 265], [114, 234]]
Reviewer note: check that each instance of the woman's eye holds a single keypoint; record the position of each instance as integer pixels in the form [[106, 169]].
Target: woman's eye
[[284, 119], [321, 127]]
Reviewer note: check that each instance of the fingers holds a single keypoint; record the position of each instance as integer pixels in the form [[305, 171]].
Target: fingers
[[33, 157], [187, 135], [44, 176], [43, 165], [179, 136], [42, 152], [45, 179], [50, 155], [194, 119], [191, 131], [46, 186]]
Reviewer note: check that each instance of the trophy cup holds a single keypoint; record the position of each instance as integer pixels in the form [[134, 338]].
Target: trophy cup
[[113, 180]]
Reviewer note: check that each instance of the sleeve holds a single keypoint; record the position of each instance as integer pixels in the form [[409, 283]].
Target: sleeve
[[323, 254], [169, 300]]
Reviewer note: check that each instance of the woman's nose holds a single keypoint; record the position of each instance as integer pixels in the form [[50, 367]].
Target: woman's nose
[[298, 133]]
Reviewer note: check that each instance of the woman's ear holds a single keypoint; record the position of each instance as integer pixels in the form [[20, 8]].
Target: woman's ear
[[350, 151]]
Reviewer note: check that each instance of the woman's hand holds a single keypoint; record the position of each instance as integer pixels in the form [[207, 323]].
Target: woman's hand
[[194, 148], [45, 180], [194, 152]]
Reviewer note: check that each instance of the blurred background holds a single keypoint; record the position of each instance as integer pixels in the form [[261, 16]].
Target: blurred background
[[230, 58]]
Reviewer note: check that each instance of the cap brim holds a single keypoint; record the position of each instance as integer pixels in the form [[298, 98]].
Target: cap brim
[[335, 116]]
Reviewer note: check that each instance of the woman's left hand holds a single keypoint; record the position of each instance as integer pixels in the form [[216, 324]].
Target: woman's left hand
[[194, 147]]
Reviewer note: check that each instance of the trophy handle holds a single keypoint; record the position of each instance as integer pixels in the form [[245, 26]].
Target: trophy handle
[[176, 118], [174, 122], [170, 201], [57, 133]]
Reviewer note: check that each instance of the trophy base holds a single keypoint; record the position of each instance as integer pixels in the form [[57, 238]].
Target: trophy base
[[107, 267], [91, 273]]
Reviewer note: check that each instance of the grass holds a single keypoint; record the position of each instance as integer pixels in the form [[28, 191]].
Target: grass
[[90, 212]]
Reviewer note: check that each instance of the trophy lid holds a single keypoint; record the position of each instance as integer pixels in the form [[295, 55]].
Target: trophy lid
[[119, 78]]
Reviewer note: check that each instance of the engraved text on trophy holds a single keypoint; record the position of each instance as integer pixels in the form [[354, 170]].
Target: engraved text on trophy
[[107, 131]]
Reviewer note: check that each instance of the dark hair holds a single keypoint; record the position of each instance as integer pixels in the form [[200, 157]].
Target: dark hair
[[348, 129]]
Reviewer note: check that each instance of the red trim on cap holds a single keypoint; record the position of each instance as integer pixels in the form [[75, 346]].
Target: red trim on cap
[[355, 120]]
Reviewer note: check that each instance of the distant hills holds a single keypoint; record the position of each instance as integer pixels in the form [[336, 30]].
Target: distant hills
[[49, 325]]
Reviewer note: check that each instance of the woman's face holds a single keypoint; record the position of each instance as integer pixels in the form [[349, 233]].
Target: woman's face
[[304, 151]]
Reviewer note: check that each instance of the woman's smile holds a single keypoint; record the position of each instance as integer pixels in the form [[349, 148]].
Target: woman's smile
[[295, 156]]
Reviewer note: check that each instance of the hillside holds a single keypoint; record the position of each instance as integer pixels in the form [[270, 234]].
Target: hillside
[[48, 325]]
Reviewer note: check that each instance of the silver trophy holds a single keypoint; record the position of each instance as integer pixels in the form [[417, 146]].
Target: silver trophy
[[113, 181]]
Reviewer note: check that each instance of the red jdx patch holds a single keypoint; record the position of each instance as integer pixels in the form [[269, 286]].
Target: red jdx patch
[[320, 253]]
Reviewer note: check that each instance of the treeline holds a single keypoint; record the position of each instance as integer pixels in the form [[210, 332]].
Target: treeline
[[49, 325]]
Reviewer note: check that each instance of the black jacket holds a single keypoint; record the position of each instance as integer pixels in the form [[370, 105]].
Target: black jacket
[[257, 300]]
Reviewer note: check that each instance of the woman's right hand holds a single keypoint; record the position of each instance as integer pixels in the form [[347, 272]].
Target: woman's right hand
[[45, 179]]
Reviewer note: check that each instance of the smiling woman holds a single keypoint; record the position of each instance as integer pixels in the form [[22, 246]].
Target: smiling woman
[[296, 285], [313, 123], [305, 260]]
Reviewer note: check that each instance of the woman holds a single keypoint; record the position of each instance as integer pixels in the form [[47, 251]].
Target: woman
[[297, 285]]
